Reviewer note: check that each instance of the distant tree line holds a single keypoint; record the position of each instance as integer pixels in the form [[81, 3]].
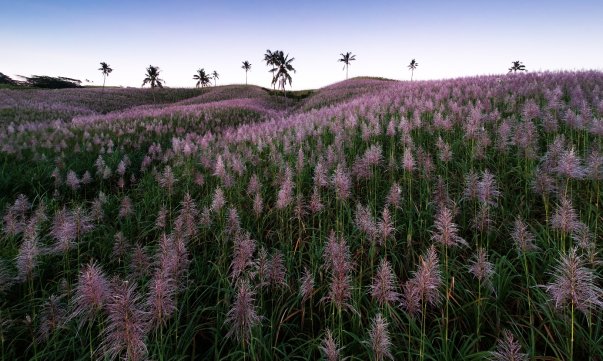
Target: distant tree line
[[279, 63], [41, 81], [5, 79]]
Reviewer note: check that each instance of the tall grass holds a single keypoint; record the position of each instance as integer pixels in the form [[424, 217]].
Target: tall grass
[[444, 220]]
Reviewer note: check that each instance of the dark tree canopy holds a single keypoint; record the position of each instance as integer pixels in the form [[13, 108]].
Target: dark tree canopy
[[517, 66], [152, 77], [5, 79], [50, 82], [203, 78]]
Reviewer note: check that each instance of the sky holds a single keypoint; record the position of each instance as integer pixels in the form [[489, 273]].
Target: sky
[[447, 38]]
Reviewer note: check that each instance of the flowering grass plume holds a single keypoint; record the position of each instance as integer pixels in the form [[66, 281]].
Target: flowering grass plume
[[570, 165], [315, 205], [481, 268], [383, 288], [471, 185], [96, 209], [411, 297], [408, 161], [27, 259], [127, 324], [446, 231], [161, 298], [365, 222], [508, 349], [126, 208], [565, 218], [120, 245], [187, 216], [306, 286], [427, 280], [63, 231], [482, 221], [243, 250], [219, 201], [285, 193], [574, 284], [522, 237], [329, 347], [594, 165], [167, 180], [338, 260], [262, 271], [487, 189], [258, 204], [82, 221], [242, 316], [91, 292], [53, 317], [379, 338], [160, 221], [394, 196], [277, 272], [385, 227], [140, 263], [342, 183], [72, 181]]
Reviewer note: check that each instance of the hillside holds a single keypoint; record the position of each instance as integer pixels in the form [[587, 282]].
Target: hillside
[[68, 103], [451, 219]]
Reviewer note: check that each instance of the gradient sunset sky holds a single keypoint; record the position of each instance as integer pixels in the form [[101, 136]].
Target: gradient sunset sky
[[448, 38]]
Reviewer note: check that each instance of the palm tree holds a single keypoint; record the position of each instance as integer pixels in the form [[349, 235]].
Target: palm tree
[[247, 67], [152, 77], [202, 78], [412, 66], [346, 59], [271, 59], [215, 76], [106, 70], [281, 70], [517, 66]]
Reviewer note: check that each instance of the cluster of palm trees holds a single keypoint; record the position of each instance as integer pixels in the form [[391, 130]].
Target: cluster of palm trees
[[517, 66], [281, 69], [203, 79], [152, 77]]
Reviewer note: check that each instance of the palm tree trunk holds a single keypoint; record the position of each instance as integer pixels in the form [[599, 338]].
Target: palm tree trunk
[[412, 72], [104, 79], [346, 72], [245, 77]]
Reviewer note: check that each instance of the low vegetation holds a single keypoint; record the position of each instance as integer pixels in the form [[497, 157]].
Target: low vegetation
[[370, 220]]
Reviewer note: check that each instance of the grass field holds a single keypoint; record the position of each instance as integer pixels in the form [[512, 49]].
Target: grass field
[[369, 220]]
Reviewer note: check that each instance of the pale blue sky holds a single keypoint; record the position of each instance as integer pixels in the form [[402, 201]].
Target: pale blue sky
[[448, 38]]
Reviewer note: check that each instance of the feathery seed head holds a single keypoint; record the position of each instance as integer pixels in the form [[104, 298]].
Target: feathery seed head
[[379, 338], [508, 349], [242, 316]]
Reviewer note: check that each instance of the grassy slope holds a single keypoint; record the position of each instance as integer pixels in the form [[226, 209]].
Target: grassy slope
[[199, 323]]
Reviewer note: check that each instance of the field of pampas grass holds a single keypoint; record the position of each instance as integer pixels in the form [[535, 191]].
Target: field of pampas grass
[[369, 220]]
